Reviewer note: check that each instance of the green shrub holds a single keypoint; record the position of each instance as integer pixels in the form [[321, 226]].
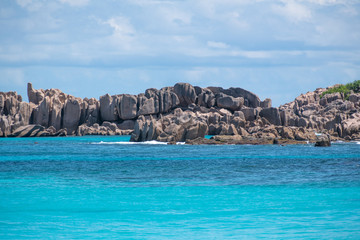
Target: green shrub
[[344, 89]]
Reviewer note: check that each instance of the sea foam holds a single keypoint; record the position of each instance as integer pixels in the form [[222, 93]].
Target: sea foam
[[132, 143]]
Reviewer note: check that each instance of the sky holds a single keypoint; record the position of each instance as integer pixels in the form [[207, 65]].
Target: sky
[[87, 48]]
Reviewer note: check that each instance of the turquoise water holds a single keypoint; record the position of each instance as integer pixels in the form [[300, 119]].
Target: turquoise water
[[105, 188]]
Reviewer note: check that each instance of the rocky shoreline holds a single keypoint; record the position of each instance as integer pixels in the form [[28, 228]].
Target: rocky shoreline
[[184, 113]]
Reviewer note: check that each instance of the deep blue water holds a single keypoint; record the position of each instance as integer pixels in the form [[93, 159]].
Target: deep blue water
[[100, 188]]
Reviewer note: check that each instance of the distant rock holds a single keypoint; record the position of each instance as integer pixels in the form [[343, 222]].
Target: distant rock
[[186, 93], [181, 113], [108, 107], [230, 103], [71, 116], [323, 141], [127, 107], [272, 115]]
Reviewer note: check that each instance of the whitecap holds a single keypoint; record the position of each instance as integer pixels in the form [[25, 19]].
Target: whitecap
[[132, 143]]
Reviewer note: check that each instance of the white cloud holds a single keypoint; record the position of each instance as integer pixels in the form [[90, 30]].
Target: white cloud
[[31, 5], [76, 3], [329, 2], [217, 45], [293, 11], [121, 25], [252, 54]]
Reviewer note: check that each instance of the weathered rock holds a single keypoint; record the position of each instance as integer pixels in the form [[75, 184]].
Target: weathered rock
[[35, 96], [108, 108], [186, 93], [250, 113], [206, 98], [56, 114], [61, 133], [323, 141], [355, 98], [303, 122], [25, 111], [286, 132], [71, 116], [203, 113], [148, 107], [128, 107], [92, 114], [351, 126], [126, 125], [41, 113], [250, 99], [2, 103], [5, 126], [28, 131], [11, 104], [266, 103], [272, 115], [328, 98], [230, 103], [167, 100]]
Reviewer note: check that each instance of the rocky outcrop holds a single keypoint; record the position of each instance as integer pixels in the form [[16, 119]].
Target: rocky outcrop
[[229, 102], [323, 141], [186, 93], [72, 113], [127, 106], [13, 112], [37, 131], [177, 127], [108, 107], [182, 113], [271, 114]]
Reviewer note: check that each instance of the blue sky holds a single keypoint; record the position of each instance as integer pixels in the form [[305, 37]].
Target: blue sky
[[277, 49]]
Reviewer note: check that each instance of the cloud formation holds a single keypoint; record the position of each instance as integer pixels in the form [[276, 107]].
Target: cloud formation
[[230, 42]]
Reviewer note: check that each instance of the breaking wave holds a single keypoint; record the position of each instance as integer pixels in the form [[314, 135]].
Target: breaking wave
[[153, 142]]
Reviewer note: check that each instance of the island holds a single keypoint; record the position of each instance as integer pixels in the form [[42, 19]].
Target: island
[[186, 113]]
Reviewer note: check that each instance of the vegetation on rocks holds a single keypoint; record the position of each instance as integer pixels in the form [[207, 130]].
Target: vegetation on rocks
[[344, 89]]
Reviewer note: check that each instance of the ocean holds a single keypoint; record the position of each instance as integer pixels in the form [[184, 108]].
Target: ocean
[[107, 188]]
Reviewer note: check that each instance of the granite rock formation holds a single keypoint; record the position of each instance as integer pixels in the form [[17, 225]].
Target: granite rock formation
[[181, 113]]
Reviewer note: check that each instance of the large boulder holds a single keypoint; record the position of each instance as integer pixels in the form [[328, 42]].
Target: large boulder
[[28, 131], [71, 116], [178, 127], [11, 104], [2, 103], [250, 114], [5, 126], [35, 96], [92, 114], [272, 115], [266, 103], [55, 114], [167, 100], [127, 107], [25, 111], [186, 93], [250, 99], [323, 141], [148, 107], [230, 103], [351, 126], [206, 98], [108, 105], [41, 113]]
